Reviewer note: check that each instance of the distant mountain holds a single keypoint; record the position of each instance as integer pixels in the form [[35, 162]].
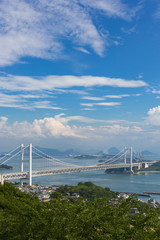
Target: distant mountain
[[147, 155], [86, 156], [71, 152], [56, 152], [100, 153], [113, 150]]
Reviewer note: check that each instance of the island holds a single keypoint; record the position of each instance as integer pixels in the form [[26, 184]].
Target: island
[[3, 166]]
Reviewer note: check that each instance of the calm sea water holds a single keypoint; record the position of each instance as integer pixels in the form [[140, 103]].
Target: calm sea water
[[146, 182]]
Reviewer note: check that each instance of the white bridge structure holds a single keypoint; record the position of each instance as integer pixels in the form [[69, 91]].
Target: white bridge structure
[[33, 163]]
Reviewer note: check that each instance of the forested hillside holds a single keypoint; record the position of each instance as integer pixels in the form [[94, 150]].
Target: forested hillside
[[23, 217]]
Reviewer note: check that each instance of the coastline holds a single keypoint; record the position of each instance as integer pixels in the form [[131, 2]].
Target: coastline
[[146, 172]]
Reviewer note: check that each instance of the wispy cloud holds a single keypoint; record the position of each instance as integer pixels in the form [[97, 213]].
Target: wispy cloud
[[157, 13], [141, 75], [117, 96], [87, 104], [88, 109], [108, 104], [109, 96], [24, 83], [112, 8], [156, 91], [24, 101], [38, 92], [93, 98], [129, 31], [39, 28], [81, 49]]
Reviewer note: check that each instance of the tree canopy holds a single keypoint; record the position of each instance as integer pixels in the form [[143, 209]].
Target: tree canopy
[[23, 216]]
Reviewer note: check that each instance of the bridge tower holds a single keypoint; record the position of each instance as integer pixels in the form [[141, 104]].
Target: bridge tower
[[131, 162], [125, 159], [22, 155], [30, 164]]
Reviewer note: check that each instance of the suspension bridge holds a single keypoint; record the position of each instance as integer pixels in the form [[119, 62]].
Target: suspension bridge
[[31, 162]]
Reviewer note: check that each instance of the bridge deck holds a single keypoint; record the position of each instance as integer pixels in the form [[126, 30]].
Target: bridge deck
[[25, 175]]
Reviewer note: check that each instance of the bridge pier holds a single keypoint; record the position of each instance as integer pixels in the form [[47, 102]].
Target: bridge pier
[[139, 166], [145, 165]]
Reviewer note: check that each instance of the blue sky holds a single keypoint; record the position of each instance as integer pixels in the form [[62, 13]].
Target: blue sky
[[80, 74]]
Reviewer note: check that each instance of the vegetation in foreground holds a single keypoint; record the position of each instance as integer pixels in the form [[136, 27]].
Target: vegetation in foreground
[[25, 217]]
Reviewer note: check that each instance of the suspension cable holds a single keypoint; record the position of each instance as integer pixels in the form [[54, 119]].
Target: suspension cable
[[12, 156], [117, 158], [51, 158], [115, 155], [9, 153]]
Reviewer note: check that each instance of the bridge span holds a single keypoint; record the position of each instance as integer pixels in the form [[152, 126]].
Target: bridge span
[[26, 175], [61, 170]]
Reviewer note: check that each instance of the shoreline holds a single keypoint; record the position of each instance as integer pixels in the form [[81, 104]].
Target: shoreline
[[146, 172]]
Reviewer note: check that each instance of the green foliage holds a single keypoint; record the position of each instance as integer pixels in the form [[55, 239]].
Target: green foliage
[[86, 190], [24, 217]]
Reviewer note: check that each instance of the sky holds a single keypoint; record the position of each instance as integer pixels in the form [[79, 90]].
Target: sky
[[81, 74]]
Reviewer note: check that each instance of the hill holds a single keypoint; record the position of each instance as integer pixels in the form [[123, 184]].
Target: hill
[[113, 151]]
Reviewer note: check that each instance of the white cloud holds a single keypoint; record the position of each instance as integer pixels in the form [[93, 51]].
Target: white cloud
[[39, 28], [36, 92], [154, 116], [26, 101], [52, 82], [107, 96], [88, 109], [117, 96], [80, 132], [93, 98], [108, 104], [58, 126], [156, 91], [141, 75], [53, 127], [87, 104], [81, 49], [47, 127], [112, 8], [137, 95]]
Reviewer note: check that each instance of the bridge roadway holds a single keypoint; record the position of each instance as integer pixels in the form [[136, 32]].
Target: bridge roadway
[[25, 175]]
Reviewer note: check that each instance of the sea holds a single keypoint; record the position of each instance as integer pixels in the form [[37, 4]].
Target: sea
[[132, 183]]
